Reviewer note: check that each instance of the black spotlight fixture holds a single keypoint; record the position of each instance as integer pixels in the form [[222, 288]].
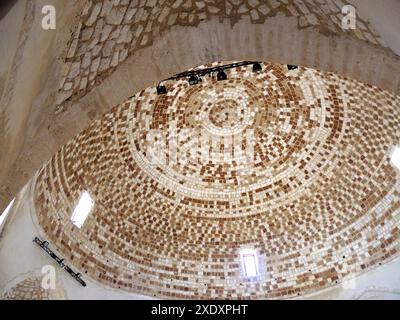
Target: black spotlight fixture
[[291, 67], [193, 79], [161, 89], [257, 67], [221, 75]]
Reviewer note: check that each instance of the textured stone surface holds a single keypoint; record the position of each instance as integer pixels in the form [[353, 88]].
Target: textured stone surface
[[32, 130], [28, 289], [318, 198], [142, 22]]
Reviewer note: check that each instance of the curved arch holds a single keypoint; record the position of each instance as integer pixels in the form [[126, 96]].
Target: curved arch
[[278, 39]]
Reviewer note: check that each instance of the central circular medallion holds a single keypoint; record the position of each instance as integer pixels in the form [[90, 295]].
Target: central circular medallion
[[225, 109], [226, 114], [229, 140]]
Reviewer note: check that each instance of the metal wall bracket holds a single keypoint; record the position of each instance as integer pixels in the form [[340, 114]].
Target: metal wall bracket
[[44, 245]]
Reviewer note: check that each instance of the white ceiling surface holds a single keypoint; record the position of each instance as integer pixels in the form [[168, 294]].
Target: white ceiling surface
[[384, 16]]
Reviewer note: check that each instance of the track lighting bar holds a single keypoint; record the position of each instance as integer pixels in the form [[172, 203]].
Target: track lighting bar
[[44, 246], [205, 71], [194, 76]]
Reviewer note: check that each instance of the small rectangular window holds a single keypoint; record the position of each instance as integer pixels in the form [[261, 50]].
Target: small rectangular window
[[249, 263], [395, 157], [82, 209]]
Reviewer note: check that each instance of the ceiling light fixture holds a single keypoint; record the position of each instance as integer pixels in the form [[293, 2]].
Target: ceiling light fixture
[[195, 76], [257, 67], [193, 79], [221, 75], [161, 89]]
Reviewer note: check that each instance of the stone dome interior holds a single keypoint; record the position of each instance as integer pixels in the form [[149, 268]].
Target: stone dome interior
[[294, 164]]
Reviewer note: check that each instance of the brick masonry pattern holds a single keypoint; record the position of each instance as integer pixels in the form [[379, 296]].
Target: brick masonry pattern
[[319, 200]]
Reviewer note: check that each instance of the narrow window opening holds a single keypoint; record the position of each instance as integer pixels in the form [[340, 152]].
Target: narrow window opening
[[82, 209], [6, 212], [395, 157], [249, 263]]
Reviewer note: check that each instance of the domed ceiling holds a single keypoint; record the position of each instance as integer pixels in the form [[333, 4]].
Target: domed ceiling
[[292, 163]]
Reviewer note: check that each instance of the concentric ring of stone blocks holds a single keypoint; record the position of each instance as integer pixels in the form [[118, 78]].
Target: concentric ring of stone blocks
[[294, 164], [100, 54]]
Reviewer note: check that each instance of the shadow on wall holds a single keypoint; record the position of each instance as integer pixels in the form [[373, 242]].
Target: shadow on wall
[[5, 7]]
